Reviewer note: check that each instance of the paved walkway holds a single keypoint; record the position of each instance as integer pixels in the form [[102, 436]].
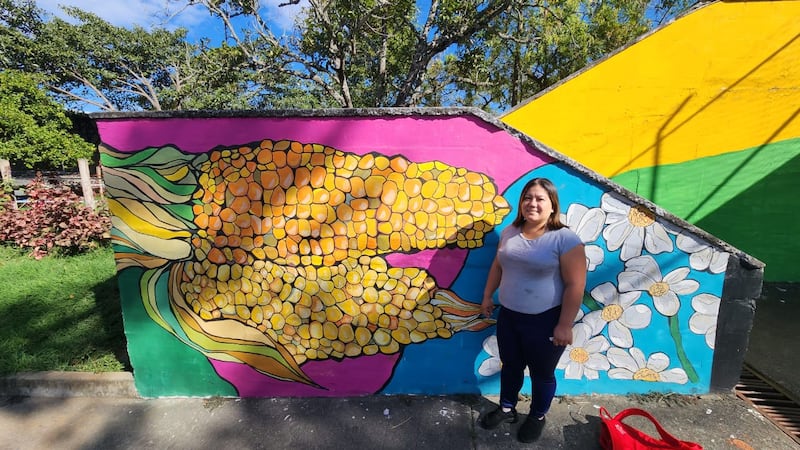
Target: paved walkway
[[396, 422]]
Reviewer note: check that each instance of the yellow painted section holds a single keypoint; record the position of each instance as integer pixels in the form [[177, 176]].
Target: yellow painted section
[[722, 78]]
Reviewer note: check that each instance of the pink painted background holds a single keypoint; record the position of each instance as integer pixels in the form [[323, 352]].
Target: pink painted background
[[460, 141]]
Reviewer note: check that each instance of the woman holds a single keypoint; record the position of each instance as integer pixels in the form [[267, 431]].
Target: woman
[[540, 269]]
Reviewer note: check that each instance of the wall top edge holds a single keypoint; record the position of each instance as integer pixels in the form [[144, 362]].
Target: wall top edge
[[745, 259], [296, 113]]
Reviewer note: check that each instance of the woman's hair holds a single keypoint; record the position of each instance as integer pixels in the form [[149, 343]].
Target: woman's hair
[[554, 221]]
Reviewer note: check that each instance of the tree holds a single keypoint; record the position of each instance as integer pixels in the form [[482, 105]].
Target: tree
[[356, 53], [532, 46], [93, 64], [34, 129]]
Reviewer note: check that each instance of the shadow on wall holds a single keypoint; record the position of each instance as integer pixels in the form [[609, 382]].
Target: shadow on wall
[[766, 215]]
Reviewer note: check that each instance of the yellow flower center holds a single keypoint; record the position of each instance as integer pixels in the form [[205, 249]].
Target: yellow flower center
[[611, 312], [658, 289], [646, 375], [579, 355], [639, 216]]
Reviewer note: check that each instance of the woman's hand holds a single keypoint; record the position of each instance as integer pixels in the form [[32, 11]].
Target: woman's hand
[[487, 307], [562, 335]]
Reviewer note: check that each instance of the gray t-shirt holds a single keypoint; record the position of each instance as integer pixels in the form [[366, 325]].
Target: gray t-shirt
[[531, 281]]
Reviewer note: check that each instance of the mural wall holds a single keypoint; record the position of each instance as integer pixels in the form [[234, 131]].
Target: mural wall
[[701, 116], [345, 253]]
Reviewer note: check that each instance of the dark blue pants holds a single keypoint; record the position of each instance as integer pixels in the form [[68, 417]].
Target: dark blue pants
[[524, 341]]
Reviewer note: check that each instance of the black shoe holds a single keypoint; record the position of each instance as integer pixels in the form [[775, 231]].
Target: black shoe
[[496, 417], [531, 429]]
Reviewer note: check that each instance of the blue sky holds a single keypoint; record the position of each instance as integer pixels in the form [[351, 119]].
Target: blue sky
[[169, 14]]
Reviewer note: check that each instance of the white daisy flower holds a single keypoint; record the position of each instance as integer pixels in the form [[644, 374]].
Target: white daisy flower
[[587, 224], [631, 365], [702, 256], [585, 356], [704, 320], [619, 313], [643, 274], [632, 228]]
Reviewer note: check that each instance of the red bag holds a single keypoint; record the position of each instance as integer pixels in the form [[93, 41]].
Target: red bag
[[616, 435]]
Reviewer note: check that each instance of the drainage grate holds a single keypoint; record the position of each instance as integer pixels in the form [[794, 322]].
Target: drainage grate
[[768, 399]]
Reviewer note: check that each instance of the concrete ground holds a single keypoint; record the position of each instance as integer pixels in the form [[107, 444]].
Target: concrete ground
[[85, 411], [377, 422]]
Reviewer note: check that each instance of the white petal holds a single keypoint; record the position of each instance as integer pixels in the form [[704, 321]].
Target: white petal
[[701, 323], [605, 293], [590, 374], [610, 203], [564, 360], [706, 304], [591, 224], [595, 320], [581, 332], [684, 287], [628, 298], [620, 374], [657, 240], [689, 244], [667, 304], [632, 247], [597, 344], [620, 335], [674, 376], [594, 256], [658, 361], [489, 367], [574, 371], [490, 345], [676, 275], [616, 234], [719, 262], [636, 317], [702, 259], [634, 281], [711, 337], [646, 265], [597, 362], [574, 214], [638, 356], [620, 358]]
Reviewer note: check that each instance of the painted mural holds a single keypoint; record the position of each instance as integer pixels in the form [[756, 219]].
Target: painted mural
[[708, 131], [341, 256]]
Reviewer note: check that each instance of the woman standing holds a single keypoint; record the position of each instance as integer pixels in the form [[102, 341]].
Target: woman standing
[[540, 269]]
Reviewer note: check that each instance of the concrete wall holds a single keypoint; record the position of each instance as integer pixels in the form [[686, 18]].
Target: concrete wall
[[701, 117], [341, 253]]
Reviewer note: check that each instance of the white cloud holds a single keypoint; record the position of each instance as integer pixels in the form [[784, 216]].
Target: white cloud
[[125, 13], [172, 14]]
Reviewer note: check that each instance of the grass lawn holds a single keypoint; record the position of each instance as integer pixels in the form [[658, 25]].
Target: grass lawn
[[60, 313]]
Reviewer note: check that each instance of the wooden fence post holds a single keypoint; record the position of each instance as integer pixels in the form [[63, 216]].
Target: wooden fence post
[[86, 183], [5, 169]]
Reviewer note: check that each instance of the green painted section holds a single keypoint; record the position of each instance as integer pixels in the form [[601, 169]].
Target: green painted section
[[166, 375], [746, 198]]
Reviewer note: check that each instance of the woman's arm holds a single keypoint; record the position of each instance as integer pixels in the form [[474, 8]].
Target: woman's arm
[[573, 272], [492, 282]]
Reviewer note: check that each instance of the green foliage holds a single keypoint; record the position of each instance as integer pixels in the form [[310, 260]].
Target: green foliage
[[54, 219], [60, 313], [88, 62], [34, 129], [341, 53], [533, 46]]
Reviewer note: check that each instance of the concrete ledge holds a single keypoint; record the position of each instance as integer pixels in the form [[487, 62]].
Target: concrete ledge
[[69, 384]]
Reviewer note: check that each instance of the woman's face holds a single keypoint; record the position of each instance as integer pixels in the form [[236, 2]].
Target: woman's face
[[536, 206]]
